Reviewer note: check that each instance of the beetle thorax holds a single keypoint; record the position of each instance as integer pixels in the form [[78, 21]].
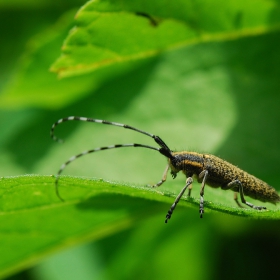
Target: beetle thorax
[[188, 162]]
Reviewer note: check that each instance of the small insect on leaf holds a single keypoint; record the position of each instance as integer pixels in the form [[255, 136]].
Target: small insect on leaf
[[209, 170]]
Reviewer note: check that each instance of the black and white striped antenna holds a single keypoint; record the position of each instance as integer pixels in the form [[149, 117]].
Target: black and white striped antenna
[[164, 149]]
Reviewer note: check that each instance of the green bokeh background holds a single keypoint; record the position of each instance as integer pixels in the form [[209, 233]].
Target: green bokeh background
[[222, 98]]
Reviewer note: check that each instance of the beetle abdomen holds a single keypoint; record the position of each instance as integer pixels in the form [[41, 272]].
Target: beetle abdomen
[[222, 172]]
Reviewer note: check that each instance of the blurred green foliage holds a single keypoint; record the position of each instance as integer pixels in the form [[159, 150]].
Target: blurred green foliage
[[218, 96]]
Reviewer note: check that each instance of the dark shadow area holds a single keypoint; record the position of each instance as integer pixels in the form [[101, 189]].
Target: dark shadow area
[[20, 23], [112, 97], [252, 255], [254, 69], [114, 201], [23, 275]]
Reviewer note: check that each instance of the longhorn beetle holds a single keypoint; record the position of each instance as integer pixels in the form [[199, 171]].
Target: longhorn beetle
[[206, 168]]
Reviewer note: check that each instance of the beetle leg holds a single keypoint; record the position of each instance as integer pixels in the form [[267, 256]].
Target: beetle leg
[[163, 179], [203, 175], [237, 183], [173, 206], [189, 190], [236, 199]]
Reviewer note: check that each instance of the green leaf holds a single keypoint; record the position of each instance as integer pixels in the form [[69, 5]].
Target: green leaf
[[33, 84], [31, 211], [115, 32], [16, 4], [219, 97]]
